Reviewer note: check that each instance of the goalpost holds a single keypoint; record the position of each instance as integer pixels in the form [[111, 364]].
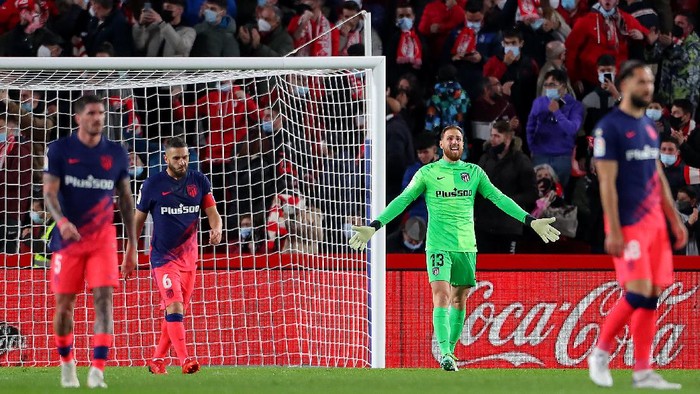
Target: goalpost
[[294, 148]]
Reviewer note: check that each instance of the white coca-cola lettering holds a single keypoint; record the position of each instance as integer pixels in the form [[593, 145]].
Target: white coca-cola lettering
[[577, 333]]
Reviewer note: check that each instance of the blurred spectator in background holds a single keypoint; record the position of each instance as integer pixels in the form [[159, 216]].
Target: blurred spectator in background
[[645, 14], [555, 51], [439, 18], [539, 25], [461, 49], [193, 10], [573, 10], [163, 34], [655, 111], [409, 93], [604, 97], [489, 107], [15, 183], [36, 236], [268, 38], [426, 150], [311, 31], [23, 12], [553, 124], [51, 46], [604, 31], [216, 33], [510, 170], [27, 32], [448, 104], [108, 24], [352, 32], [672, 164], [517, 73], [249, 236], [405, 50], [409, 239], [678, 55], [549, 190], [399, 148], [687, 206], [684, 131], [306, 232]]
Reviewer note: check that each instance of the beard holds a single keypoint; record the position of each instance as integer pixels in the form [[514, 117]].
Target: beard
[[454, 156], [178, 172], [639, 102]]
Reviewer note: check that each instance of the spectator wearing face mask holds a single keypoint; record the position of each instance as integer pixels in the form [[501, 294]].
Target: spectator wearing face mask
[[655, 112], [216, 33], [678, 55], [15, 178], [51, 46], [405, 50], [23, 39], [409, 239], [108, 24], [673, 165], [683, 130], [37, 236], [553, 124], [163, 34], [249, 237], [269, 39], [687, 206]]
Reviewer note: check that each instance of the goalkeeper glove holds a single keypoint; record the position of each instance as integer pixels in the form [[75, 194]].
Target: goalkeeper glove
[[363, 235], [543, 228]]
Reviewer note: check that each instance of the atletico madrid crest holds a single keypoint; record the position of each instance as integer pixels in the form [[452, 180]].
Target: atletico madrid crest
[[106, 162], [436, 271], [465, 176], [192, 190]]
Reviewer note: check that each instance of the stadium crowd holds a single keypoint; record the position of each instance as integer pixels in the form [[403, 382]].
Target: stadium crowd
[[527, 81]]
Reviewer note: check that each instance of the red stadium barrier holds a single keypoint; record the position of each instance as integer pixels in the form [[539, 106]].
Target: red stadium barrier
[[527, 311]]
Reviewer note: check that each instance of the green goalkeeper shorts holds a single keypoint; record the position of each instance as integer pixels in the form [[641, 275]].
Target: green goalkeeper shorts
[[457, 268]]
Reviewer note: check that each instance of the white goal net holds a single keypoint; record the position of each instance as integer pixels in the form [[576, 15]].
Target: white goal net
[[292, 154]]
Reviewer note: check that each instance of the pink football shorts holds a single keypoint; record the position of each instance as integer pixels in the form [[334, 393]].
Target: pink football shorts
[[174, 284]]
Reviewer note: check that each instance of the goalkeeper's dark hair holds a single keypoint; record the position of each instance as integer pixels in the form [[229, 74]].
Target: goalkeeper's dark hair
[[176, 142], [82, 102]]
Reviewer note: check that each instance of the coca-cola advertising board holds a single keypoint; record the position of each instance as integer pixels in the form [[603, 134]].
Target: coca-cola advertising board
[[538, 319]]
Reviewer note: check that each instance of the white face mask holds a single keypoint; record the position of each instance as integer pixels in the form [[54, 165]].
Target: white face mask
[[347, 230], [43, 51], [264, 26], [92, 12], [412, 246]]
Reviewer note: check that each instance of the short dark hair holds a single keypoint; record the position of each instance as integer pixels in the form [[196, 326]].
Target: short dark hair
[[425, 140], [502, 126], [689, 191], [82, 102], [106, 47], [606, 60], [627, 70], [558, 75], [106, 4], [668, 138], [221, 3], [689, 17], [474, 6], [351, 6], [684, 104], [175, 142], [450, 127], [513, 32]]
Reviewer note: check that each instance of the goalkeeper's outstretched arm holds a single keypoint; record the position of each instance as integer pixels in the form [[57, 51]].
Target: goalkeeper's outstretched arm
[[506, 204], [363, 233]]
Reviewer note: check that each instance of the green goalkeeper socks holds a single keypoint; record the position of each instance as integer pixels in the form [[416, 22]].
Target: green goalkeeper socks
[[441, 324], [456, 325]]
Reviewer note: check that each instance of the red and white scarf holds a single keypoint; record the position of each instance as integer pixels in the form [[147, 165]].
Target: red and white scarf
[[464, 43], [409, 50], [528, 9], [353, 38], [322, 44]]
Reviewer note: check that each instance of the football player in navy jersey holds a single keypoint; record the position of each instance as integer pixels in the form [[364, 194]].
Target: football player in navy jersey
[[81, 173], [174, 198]]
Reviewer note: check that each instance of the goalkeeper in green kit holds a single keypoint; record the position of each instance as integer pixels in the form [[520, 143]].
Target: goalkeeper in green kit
[[450, 186]]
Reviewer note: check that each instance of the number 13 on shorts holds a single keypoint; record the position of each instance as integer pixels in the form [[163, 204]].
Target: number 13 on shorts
[[457, 268]]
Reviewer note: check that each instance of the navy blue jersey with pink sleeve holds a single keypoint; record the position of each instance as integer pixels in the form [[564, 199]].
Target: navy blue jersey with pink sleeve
[[634, 144], [175, 206], [88, 178]]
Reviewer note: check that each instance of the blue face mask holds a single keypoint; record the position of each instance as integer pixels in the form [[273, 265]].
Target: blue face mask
[[552, 93], [537, 24], [136, 171], [568, 5], [36, 217], [412, 246], [302, 91], [27, 106], [514, 49], [267, 126], [653, 114], [210, 16], [246, 232], [347, 230], [607, 14], [405, 24], [667, 159], [476, 26], [262, 3], [224, 87], [3, 137]]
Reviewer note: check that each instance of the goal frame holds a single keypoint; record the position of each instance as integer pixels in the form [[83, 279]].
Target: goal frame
[[376, 82]]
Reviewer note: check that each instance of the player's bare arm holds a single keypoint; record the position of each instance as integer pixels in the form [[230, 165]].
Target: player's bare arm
[[677, 227], [607, 175], [215, 224], [129, 265], [126, 207], [52, 184]]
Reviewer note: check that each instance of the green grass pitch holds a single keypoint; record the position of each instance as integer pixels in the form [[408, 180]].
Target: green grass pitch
[[257, 380]]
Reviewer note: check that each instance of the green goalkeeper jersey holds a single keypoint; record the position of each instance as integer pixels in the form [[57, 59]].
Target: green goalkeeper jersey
[[450, 189]]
